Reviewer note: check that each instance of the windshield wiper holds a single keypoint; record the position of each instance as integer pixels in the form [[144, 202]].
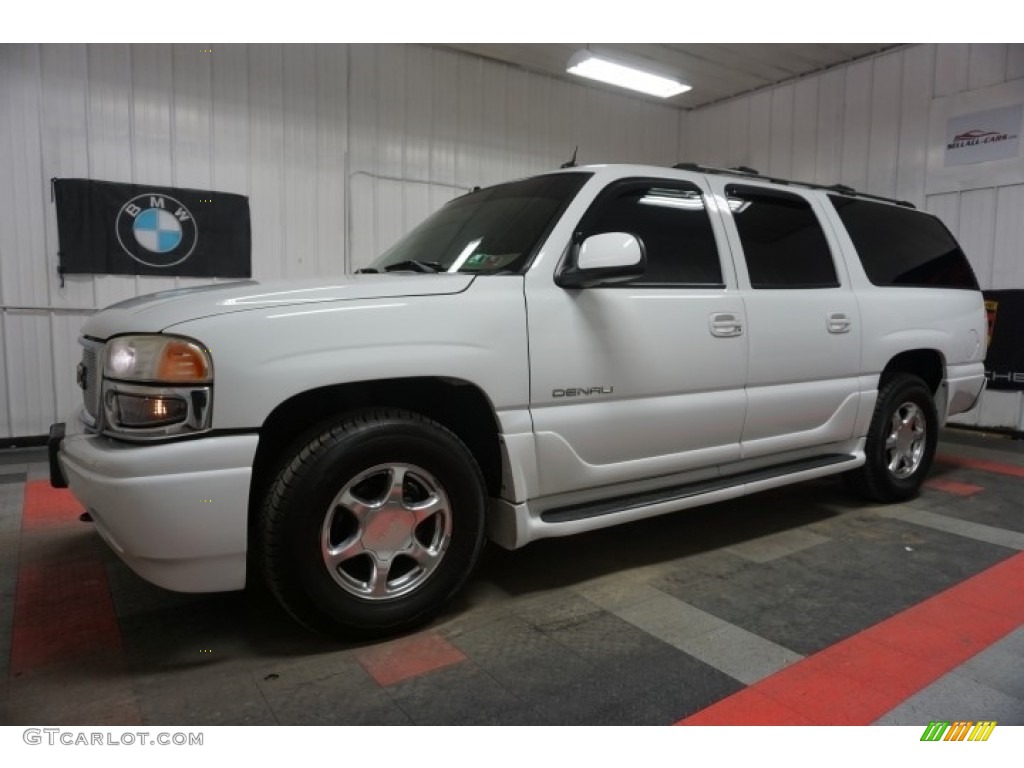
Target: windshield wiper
[[415, 266]]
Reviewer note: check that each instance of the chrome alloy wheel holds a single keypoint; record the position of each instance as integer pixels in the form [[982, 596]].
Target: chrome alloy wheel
[[386, 531], [905, 444]]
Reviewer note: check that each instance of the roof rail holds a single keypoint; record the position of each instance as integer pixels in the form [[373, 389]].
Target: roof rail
[[744, 171]]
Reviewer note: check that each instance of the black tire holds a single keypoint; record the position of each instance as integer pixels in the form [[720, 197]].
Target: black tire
[[893, 472], [373, 457]]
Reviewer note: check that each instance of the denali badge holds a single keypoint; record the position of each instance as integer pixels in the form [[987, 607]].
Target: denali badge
[[580, 391]]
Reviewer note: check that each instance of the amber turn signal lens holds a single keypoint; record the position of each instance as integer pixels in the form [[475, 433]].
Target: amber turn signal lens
[[182, 361]]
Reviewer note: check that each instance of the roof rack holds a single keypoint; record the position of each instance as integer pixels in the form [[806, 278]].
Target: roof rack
[[743, 170]]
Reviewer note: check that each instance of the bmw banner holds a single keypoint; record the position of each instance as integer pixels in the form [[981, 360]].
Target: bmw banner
[[131, 229]]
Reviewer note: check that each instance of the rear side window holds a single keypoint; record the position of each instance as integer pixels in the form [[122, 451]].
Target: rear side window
[[671, 220], [901, 246], [783, 243]]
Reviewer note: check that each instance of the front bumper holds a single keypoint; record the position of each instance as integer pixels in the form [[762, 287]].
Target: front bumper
[[176, 513]]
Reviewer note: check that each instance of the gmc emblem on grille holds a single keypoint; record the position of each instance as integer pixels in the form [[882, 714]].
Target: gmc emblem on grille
[[82, 376]]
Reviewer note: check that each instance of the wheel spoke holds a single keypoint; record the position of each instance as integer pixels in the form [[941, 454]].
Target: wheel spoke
[[424, 510], [396, 489], [425, 557], [358, 507], [379, 578], [336, 556]]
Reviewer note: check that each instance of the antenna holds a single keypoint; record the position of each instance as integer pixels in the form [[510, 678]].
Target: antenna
[[571, 163]]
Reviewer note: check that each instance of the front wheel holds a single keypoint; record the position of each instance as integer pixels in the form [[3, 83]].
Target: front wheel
[[901, 441], [373, 524]]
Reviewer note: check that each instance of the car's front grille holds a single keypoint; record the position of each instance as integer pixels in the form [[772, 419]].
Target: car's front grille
[[90, 377]]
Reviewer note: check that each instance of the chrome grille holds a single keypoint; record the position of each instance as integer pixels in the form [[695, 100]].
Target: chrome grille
[[91, 392]]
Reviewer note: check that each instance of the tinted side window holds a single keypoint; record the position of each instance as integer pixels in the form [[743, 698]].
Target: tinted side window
[[671, 221], [782, 239], [901, 246]]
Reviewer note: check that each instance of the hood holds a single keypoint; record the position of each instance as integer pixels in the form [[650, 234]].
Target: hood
[[157, 311]]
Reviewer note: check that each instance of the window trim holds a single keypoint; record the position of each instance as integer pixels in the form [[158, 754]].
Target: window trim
[[750, 189], [615, 187], [831, 201]]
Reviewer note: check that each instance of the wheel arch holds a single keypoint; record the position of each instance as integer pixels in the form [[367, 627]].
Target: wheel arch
[[927, 364], [457, 404]]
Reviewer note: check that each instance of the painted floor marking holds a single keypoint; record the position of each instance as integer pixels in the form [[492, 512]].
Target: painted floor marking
[[858, 680]]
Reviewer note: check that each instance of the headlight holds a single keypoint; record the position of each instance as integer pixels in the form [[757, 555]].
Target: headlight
[[163, 359], [155, 387]]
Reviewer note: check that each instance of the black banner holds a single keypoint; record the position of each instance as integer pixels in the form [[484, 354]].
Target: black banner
[[131, 229], [1004, 363]]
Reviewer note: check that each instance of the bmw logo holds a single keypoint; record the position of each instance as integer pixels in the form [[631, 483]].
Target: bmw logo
[[156, 230]]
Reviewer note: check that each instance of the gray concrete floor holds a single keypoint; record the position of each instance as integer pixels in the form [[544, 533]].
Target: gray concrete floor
[[648, 623]]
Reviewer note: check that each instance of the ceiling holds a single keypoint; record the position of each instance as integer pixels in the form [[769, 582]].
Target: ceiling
[[715, 70]]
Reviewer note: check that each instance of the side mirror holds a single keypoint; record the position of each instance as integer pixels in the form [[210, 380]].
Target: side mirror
[[611, 257]]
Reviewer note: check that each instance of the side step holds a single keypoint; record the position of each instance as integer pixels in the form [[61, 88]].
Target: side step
[[677, 492]]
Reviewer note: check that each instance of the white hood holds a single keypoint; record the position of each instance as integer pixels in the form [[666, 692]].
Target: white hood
[[157, 311]]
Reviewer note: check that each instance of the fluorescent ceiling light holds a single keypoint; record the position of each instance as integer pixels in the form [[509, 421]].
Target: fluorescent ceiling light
[[586, 64]]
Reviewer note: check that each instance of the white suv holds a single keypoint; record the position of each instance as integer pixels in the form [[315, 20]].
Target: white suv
[[539, 358]]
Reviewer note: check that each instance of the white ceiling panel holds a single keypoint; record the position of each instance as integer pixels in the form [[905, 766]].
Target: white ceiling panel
[[716, 71]]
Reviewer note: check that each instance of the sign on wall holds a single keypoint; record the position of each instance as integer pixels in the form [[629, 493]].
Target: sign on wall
[[974, 139], [982, 136], [130, 229]]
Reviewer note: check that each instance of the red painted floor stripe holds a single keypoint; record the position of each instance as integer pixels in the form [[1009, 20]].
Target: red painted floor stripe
[[954, 487], [48, 507], [62, 605], [996, 467], [408, 657], [858, 680]]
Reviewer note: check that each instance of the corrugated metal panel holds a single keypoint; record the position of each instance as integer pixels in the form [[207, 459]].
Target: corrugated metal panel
[[331, 138], [986, 65], [884, 130], [1008, 266], [916, 99], [977, 231], [947, 208], [301, 168], [760, 139], [27, 346], [856, 124], [951, 67], [805, 128], [1014, 61], [781, 143], [831, 107]]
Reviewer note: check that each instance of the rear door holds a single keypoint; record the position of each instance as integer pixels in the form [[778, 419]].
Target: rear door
[[803, 320]]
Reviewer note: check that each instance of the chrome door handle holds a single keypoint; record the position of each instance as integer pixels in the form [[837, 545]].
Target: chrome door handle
[[726, 324], [838, 322]]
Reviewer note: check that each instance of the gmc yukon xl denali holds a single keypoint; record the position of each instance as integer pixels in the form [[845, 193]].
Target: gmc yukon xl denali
[[539, 358]]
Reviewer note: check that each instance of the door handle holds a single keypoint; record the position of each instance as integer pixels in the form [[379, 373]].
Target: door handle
[[838, 322], [726, 324]]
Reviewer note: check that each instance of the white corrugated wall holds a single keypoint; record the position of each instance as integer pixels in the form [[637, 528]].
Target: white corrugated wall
[[340, 149], [343, 148], [866, 125]]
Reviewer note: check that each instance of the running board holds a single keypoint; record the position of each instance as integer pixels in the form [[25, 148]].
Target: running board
[[679, 492]]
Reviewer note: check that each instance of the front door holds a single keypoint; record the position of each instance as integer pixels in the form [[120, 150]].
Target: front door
[[643, 379]]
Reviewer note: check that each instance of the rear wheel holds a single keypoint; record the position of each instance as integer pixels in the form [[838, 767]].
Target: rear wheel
[[375, 522], [900, 443]]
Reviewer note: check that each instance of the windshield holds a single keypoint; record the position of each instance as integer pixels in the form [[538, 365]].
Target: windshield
[[488, 231]]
